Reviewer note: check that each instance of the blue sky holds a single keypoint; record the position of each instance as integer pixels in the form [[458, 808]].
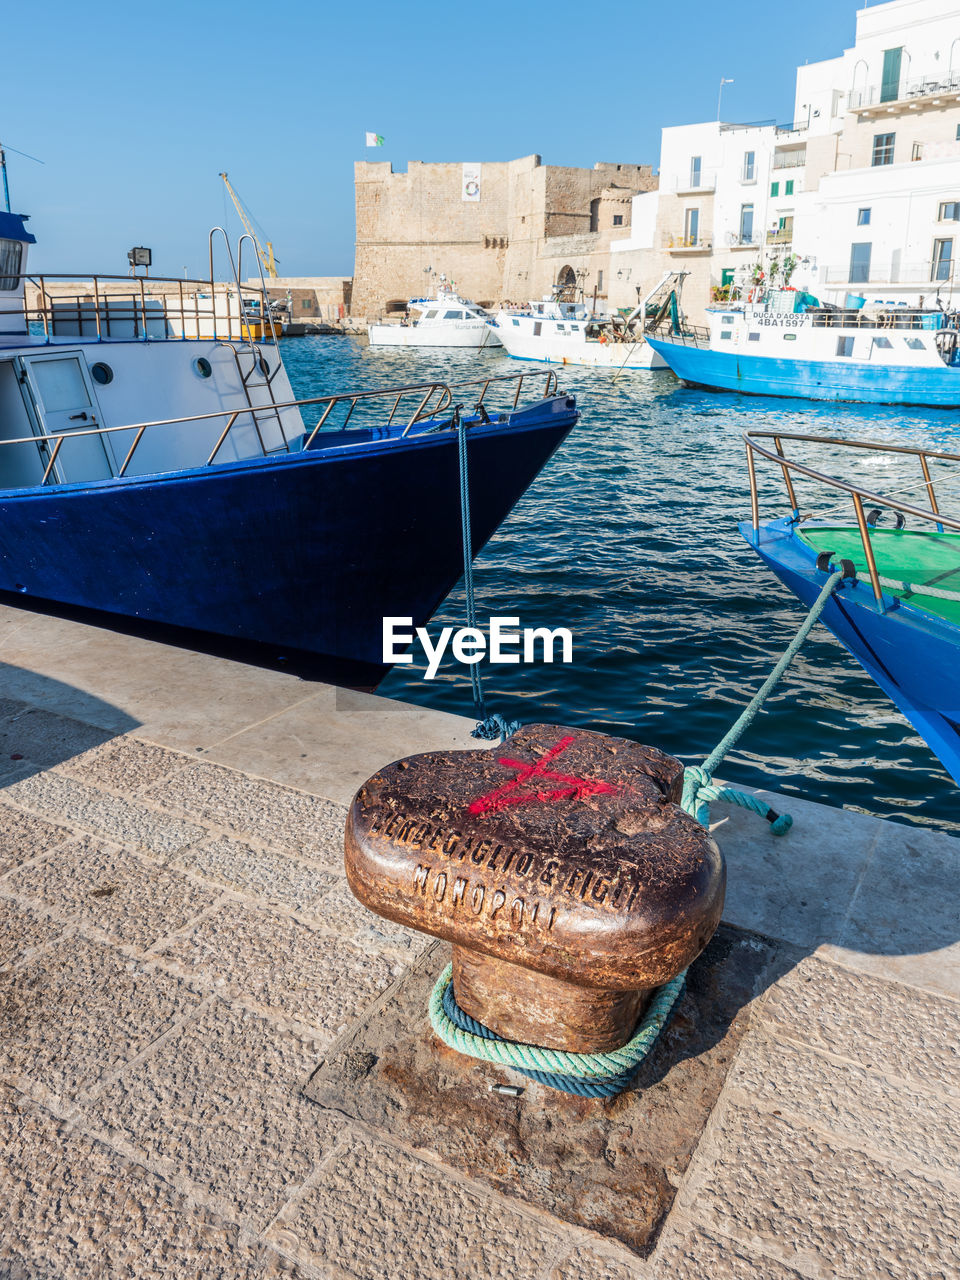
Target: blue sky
[[135, 109]]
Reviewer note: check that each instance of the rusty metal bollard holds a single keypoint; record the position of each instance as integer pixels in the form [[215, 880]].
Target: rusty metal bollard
[[559, 865]]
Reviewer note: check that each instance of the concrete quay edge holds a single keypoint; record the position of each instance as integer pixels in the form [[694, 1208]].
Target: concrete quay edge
[[178, 949]]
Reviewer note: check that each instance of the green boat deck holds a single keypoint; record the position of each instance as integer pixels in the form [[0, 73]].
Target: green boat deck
[[918, 557]]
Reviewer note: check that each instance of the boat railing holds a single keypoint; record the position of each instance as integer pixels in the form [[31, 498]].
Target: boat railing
[[895, 318], [689, 335], [859, 495], [422, 401], [123, 308]]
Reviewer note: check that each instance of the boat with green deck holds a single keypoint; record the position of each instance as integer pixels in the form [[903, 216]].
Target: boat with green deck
[[897, 608]]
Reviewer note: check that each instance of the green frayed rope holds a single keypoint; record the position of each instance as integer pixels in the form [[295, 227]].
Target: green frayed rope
[[699, 788], [531, 1057]]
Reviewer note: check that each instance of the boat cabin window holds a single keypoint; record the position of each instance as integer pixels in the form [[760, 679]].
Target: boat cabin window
[[575, 328], [882, 342], [726, 334], [754, 337], [453, 315], [916, 344], [792, 337], [431, 315], [844, 346], [560, 328], [537, 327], [729, 320], [11, 255], [516, 322]]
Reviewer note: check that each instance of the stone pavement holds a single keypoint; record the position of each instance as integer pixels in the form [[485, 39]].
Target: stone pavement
[[179, 951]]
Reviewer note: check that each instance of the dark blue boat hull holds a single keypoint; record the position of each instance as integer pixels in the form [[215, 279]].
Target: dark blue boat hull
[[911, 654], [307, 551]]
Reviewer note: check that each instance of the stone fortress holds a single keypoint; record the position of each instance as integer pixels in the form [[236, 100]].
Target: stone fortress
[[503, 230]]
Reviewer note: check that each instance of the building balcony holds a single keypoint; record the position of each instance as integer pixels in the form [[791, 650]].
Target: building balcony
[[705, 187], [782, 236], [687, 244], [896, 275], [928, 91], [794, 159]]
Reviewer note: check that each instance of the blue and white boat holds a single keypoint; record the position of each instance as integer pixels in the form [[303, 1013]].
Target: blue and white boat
[[155, 465], [786, 344], [897, 609]]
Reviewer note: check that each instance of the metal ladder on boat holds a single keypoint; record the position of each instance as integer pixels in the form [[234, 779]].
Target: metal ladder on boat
[[259, 413]]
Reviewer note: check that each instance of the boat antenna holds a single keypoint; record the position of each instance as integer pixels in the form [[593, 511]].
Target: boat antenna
[[3, 169]]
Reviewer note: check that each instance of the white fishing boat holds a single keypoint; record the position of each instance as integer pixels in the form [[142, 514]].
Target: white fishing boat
[[558, 332], [444, 321]]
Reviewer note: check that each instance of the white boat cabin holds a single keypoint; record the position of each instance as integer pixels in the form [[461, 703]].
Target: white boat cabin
[[81, 356], [787, 324]]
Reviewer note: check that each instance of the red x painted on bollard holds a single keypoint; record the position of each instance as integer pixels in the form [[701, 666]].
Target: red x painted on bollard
[[531, 784]]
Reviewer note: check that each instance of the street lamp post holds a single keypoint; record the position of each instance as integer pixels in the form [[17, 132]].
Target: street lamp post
[[723, 81]]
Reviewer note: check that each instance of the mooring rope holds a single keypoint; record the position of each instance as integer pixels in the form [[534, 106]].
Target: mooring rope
[[488, 726], [603, 1075]]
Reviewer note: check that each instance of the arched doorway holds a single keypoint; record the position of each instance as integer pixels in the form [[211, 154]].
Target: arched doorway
[[567, 284]]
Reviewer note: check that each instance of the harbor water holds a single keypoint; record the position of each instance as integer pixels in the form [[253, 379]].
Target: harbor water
[[629, 539]]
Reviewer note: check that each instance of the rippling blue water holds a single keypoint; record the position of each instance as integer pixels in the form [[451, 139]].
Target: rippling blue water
[[629, 539]]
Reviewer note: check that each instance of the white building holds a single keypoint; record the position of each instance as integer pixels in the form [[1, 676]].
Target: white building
[[859, 193], [881, 212]]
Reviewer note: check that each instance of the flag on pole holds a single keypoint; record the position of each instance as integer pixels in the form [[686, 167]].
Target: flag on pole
[[374, 139]]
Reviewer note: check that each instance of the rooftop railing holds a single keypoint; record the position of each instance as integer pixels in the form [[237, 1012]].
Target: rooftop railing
[[876, 95]]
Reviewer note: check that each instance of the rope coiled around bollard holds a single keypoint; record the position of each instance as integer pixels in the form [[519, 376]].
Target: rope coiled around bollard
[[592, 1075]]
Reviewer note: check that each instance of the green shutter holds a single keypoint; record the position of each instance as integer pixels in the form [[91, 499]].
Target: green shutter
[[890, 89], [788, 189], [774, 188], [726, 277]]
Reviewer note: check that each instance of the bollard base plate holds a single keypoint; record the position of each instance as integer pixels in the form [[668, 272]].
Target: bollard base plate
[[611, 1166]]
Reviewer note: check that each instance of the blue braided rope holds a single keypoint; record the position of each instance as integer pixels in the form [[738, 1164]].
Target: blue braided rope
[[608, 1088]]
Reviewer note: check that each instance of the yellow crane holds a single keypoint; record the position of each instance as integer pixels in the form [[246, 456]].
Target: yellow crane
[[265, 255]]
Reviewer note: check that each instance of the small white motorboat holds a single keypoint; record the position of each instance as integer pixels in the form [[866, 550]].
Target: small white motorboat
[[444, 321], [570, 333]]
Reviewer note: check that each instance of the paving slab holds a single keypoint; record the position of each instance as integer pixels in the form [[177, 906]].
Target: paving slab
[[23, 929], [283, 966], [217, 1110], [125, 764], [259, 872], [76, 1210], [123, 897], [822, 1206], [280, 816], [54, 796], [73, 1012], [406, 1219], [23, 837]]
